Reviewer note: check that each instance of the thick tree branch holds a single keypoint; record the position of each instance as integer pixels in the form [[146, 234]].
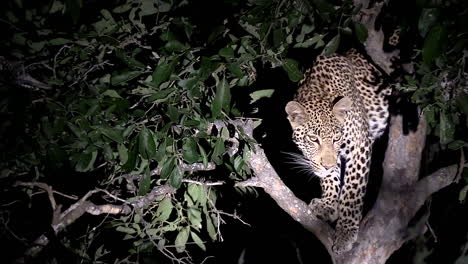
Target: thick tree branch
[[268, 179], [375, 38], [433, 183]]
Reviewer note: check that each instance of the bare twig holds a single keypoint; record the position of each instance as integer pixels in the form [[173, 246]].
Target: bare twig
[[204, 183], [43, 186]]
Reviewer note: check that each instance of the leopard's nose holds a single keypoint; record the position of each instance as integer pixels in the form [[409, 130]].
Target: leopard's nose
[[327, 166]]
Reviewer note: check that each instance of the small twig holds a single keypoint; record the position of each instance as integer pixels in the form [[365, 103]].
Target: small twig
[[218, 224], [235, 216], [10, 24], [184, 167], [432, 231], [204, 183], [55, 59], [113, 196], [43, 186], [92, 68]]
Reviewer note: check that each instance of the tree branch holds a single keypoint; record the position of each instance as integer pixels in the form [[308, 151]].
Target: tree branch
[[60, 220], [267, 178], [432, 184], [375, 39]]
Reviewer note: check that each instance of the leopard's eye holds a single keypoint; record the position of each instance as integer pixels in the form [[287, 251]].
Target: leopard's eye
[[337, 137], [314, 139]]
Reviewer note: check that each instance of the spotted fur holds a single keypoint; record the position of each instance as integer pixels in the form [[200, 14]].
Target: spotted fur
[[340, 109]]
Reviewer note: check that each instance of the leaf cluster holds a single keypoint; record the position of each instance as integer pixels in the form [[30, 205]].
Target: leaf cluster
[[134, 86]]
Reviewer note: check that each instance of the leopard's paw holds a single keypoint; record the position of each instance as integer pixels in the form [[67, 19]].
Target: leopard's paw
[[323, 209], [344, 240]]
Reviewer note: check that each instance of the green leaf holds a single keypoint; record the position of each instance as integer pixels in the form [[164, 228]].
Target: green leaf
[[173, 113], [145, 182], [427, 18], [361, 32], [137, 218], [114, 134], [181, 239], [292, 69], [447, 128], [132, 158], [325, 9], [164, 209], [175, 46], [462, 103], [210, 228], [123, 153], [195, 219], [267, 93], [161, 152], [129, 60], [332, 46], [227, 52], [306, 29], [253, 30], [429, 112], [59, 41], [124, 76], [161, 96], [167, 168], [127, 230], [238, 164], [86, 161], [19, 39], [462, 196], [218, 151], [176, 177], [457, 144], [75, 130], [194, 191], [222, 98], [146, 144], [203, 154], [189, 150], [198, 240], [163, 71], [73, 8], [433, 44], [235, 69], [206, 68], [122, 9]]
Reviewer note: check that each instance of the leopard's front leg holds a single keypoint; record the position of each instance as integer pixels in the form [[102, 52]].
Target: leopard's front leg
[[352, 196], [326, 207]]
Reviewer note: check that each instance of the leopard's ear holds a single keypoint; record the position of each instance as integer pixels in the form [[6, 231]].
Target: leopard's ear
[[296, 113], [341, 107]]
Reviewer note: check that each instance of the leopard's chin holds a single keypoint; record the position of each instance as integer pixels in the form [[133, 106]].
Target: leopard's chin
[[322, 172]]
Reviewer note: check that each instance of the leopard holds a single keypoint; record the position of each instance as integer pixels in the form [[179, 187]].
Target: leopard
[[341, 107]]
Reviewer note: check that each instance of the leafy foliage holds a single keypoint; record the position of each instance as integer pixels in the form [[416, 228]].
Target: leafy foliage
[[134, 88], [440, 82]]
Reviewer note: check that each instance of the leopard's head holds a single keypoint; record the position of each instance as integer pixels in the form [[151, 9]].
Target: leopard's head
[[317, 131]]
